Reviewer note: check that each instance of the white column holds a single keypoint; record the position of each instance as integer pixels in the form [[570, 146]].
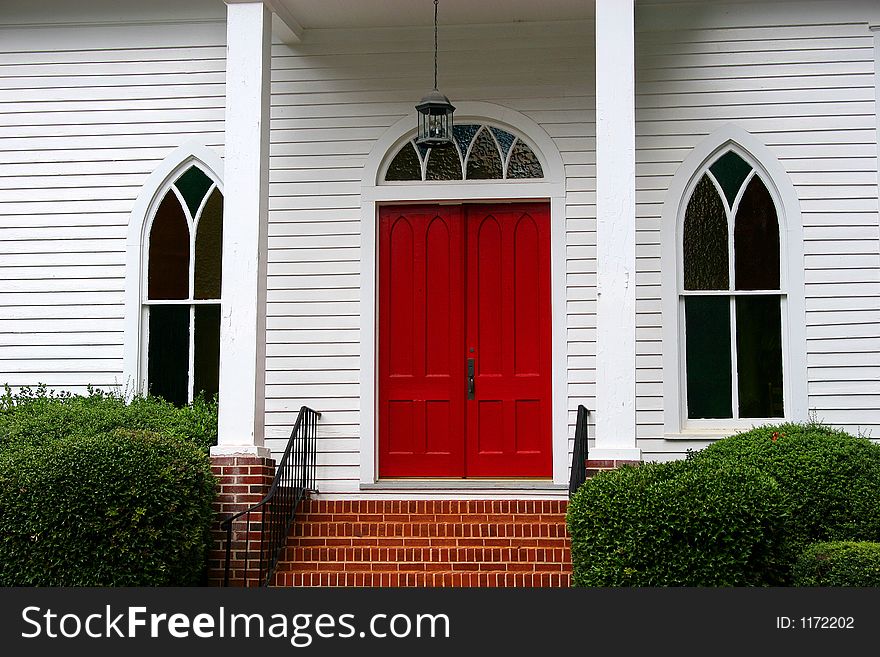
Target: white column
[[874, 26], [245, 231], [615, 232]]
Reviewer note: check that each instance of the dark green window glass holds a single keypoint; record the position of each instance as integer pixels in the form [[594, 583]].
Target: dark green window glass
[[705, 240], [168, 263], [730, 170], [759, 356], [405, 165], [168, 353], [505, 139], [443, 164], [523, 163], [206, 360], [484, 162], [756, 240], [707, 337], [193, 185], [464, 135], [209, 249]]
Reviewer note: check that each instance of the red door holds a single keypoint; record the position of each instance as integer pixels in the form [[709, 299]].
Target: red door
[[464, 341]]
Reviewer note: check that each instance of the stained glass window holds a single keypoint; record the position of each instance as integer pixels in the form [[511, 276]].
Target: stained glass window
[[479, 152], [484, 159], [182, 305], [405, 165], [443, 164], [733, 337]]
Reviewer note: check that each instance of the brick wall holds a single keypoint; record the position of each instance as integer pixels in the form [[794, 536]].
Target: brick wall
[[242, 482]]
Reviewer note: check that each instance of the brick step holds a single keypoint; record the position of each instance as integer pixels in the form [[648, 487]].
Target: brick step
[[425, 579], [304, 527], [428, 543], [402, 557], [456, 507], [367, 541]]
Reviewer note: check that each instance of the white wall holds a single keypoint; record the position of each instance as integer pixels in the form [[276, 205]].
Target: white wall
[[332, 97], [86, 113], [805, 88]]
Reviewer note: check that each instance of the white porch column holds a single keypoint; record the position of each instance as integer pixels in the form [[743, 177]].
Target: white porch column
[[615, 232], [874, 26], [245, 231]]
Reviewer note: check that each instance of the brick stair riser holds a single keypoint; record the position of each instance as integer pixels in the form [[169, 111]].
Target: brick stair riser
[[305, 528], [457, 508], [428, 543], [426, 579], [426, 555]]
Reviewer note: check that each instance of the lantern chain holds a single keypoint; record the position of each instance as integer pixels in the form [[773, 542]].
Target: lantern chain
[[435, 44]]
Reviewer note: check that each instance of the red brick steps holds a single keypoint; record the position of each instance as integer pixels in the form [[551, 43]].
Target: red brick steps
[[428, 543]]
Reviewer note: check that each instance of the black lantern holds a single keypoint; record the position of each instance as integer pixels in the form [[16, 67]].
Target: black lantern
[[435, 110]]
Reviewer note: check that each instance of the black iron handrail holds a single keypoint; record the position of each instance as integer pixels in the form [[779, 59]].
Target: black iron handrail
[[579, 453], [267, 523]]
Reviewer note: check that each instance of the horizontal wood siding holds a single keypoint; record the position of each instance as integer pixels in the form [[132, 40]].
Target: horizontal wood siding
[[86, 113], [332, 97], [805, 88]]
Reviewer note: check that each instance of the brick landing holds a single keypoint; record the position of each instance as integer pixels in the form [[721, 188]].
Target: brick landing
[[428, 543]]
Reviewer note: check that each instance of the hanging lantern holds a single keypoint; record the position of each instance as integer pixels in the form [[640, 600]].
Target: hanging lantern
[[435, 110]]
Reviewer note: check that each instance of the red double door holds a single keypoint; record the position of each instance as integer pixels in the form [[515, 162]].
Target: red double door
[[464, 341]]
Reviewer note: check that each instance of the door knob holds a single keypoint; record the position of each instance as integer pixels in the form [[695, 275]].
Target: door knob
[[471, 387]]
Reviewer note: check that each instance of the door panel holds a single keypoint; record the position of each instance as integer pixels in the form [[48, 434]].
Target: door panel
[[508, 328], [421, 336], [459, 283]]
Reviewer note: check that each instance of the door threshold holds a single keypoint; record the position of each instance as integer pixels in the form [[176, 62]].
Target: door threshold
[[464, 484]]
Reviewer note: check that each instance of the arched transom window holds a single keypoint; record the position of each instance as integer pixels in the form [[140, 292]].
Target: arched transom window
[[478, 152], [182, 296], [732, 295]]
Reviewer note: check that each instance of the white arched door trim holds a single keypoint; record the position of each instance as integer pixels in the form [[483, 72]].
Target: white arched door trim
[[373, 194]]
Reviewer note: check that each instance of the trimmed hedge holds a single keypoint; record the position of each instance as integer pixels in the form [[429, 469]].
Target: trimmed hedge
[[682, 523], [39, 414], [119, 509], [830, 479], [740, 512], [839, 564]]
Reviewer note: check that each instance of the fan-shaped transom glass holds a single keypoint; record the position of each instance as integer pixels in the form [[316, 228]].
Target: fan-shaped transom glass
[[182, 305], [479, 152], [732, 295]]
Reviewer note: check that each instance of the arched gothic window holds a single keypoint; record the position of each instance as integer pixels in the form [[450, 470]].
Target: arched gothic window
[[181, 307], [732, 295], [478, 152]]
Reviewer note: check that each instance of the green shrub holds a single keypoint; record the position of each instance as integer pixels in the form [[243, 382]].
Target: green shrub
[[839, 564], [681, 523], [39, 414], [119, 509], [830, 480]]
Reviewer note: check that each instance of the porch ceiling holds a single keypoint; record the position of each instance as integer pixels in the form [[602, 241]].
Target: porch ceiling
[[317, 14]]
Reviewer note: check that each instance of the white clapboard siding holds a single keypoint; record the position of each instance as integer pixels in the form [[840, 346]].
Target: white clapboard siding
[[86, 114], [333, 95], [805, 88]]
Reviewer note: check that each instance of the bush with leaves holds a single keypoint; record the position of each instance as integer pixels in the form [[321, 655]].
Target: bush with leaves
[[125, 508], [39, 414], [739, 512], [844, 563], [680, 523], [830, 480]]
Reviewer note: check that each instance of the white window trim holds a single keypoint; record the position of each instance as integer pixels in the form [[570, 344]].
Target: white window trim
[[794, 343], [374, 193], [136, 250]]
